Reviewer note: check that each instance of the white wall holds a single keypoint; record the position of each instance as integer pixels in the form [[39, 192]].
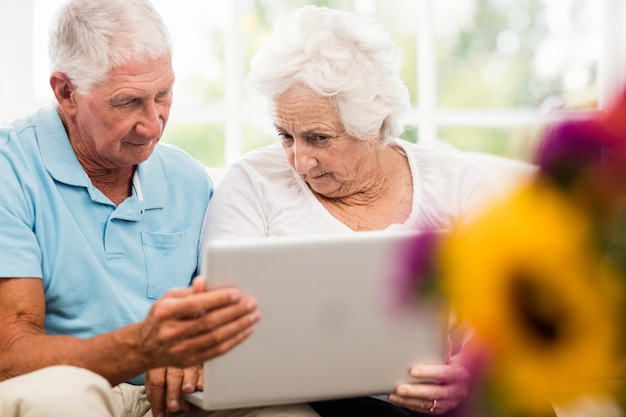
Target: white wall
[[16, 40]]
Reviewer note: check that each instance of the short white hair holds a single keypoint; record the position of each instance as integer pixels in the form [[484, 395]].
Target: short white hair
[[347, 57], [88, 38]]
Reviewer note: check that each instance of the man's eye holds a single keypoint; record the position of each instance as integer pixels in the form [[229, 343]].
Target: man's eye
[[285, 136], [321, 138], [164, 96], [127, 103]]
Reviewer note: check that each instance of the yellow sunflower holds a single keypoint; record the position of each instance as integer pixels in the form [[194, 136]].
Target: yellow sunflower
[[528, 278]]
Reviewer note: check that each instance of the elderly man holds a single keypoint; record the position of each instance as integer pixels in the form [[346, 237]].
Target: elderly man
[[100, 225]]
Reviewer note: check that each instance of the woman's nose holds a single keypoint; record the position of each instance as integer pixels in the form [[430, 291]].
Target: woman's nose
[[303, 157]]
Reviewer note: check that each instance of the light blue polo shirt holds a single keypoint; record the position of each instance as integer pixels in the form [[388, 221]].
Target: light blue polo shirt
[[102, 266]]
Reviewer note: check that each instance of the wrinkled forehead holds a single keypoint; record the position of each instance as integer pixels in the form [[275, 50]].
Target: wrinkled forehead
[[149, 74], [300, 101]]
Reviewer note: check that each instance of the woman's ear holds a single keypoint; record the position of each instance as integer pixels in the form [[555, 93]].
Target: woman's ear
[[64, 91]]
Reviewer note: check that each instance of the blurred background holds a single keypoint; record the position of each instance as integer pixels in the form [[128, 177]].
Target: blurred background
[[484, 75]]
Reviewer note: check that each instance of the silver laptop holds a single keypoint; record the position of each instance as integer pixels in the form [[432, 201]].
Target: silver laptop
[[328, 328]]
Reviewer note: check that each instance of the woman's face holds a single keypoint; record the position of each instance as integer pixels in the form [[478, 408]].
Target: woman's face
[[333, 163]]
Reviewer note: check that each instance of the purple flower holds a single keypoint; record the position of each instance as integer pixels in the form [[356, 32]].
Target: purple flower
[[570, 149], [417, 269]]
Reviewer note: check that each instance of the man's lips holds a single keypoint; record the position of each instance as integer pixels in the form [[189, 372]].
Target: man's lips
[[141, 143]]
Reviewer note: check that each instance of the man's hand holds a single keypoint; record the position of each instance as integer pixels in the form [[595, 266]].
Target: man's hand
[[164, 387], [185, 328], [189, 326]]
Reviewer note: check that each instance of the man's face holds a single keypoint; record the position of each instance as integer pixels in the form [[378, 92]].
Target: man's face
[[120, 121]]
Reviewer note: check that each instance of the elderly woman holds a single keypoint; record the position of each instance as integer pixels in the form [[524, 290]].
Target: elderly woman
[[332, 79]]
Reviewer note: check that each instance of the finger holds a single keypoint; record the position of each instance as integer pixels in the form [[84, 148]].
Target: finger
[[226, 331], [174, 382], [452, 373], [421, 405], [431, 373], [191, 304], [416, 396], [191, 376], [216, 318], [218, 340], [227, 345], [213, 344], [426, 392], [200, 383], [199, 284], [206, 301], [174, 331], [178, 292], [155, 390]]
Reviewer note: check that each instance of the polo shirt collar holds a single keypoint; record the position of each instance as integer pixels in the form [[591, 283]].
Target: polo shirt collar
[[56, 151], [62, 163], [152, 182]]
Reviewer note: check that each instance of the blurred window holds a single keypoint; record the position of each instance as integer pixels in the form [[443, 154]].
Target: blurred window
[[484, 75]]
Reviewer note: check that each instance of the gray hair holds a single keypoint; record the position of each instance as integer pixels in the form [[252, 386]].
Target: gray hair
[[340, 55], [88, 38]]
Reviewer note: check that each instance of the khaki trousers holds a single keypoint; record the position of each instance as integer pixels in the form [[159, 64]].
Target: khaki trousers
[[65, 391]]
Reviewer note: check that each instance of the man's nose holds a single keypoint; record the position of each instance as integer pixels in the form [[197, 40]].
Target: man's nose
[[151, 121]]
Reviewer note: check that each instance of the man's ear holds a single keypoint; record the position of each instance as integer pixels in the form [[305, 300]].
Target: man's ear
[[64, 91]]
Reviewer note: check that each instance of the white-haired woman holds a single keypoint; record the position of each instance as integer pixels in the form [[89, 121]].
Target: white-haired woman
[[332, 80]]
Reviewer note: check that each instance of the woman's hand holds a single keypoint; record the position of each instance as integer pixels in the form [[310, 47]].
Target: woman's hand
[[452, 387]]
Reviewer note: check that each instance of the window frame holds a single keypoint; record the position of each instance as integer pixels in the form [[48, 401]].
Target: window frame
[[16, 81]]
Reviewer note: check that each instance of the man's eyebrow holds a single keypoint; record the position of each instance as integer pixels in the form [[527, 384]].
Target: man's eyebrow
[[123, 97], [129, 96], [165, 90]]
